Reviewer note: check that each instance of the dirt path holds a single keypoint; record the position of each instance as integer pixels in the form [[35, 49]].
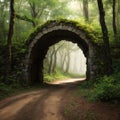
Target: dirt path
[[44, 104], [56, 101]]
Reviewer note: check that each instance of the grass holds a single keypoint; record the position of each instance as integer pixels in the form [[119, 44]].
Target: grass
[[54, 77], [60, 75]]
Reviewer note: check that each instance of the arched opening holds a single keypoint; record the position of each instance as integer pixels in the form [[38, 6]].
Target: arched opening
[[50, 34], [40, 50], [64, 60]]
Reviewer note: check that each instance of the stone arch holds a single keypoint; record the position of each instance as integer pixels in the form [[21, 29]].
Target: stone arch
[[50, 33]]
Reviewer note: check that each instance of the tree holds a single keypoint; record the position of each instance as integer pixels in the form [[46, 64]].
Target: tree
[[114, 19], [63, 58], [39, 11], [108, 60], [118, 18], [85, 10], [51, 58], [56, 49], [36, 9], [3, 19], [10, 36]]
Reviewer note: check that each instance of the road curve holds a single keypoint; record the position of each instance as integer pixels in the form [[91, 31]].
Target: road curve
[[43, 104]]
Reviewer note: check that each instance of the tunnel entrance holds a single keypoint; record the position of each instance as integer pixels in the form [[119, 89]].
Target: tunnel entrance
[[53, 32], [64, 60]]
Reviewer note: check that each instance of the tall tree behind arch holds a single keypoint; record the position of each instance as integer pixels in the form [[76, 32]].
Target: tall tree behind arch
[[108, 60], [10, 36], [118, 18], [85, 10], [114, 19]]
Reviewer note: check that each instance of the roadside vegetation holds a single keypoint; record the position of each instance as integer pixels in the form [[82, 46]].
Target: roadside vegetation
[[102, 89], [60, 75], [105, 89]]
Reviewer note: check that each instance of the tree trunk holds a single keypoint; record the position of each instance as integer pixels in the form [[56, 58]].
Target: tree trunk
[[51, 63], [63, 61], [55, 62], [10, 35], [85, 10], [55, 55], [68, 63], [108, 60], [53, 59], [118, 18], [35, 13], [114, 19], [2, 21]]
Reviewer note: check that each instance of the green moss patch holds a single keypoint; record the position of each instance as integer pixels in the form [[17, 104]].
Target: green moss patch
[[91, 34]]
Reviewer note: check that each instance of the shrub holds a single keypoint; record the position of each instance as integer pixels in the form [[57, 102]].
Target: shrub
[[4, 90], [108, 88]]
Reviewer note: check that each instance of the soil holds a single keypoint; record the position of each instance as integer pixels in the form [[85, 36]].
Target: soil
[[56, 101]]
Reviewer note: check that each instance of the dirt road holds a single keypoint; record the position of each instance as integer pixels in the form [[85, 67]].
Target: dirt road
[[43, 104]]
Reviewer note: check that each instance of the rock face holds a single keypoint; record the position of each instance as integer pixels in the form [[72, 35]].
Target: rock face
[[52, 32]]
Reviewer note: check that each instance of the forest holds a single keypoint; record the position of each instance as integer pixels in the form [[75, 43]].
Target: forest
[[19, 18]]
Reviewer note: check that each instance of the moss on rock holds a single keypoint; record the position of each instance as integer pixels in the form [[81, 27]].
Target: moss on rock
[[92, 34]]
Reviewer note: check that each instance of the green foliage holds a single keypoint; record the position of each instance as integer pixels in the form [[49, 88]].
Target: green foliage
[[116, 63], [8, 89], [14, 89], [18, 53], [58, 75], [2, 60], [4, 90], [106, 89]]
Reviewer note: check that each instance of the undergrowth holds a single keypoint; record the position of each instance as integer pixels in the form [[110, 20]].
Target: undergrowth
[[58, 75], [10, 90], [105, 89]]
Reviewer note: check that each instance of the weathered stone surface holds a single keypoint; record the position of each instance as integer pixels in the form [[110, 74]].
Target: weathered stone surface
[[53, 32]]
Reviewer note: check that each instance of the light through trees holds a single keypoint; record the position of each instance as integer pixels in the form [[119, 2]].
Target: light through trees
[[65, 58]]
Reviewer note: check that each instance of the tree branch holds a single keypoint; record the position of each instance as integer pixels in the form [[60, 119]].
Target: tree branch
[[25, 18]]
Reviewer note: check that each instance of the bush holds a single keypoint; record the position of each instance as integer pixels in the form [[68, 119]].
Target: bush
[[4, 90], [108, 88], [116, 65], [105, 89]]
